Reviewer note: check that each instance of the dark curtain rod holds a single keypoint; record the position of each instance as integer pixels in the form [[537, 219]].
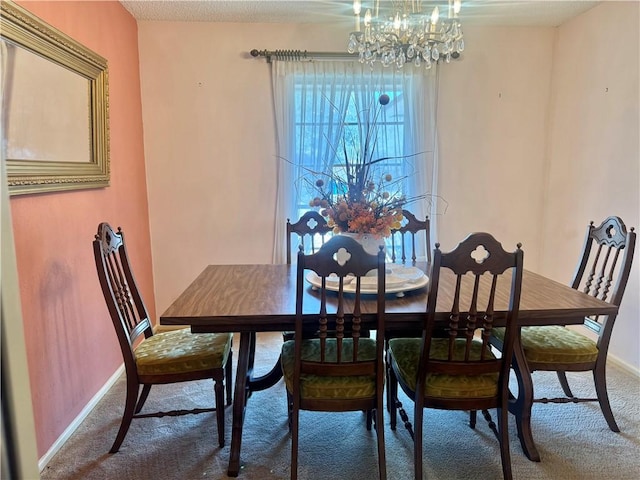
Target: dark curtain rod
[[302, 55]]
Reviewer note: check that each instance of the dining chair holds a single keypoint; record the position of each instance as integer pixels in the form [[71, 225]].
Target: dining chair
[[307, 229], [155, 358], [337, 369], [460, 372], [403, 239], [602, 272]]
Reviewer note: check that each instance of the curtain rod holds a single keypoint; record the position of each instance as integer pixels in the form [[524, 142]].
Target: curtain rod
[[302, 55]]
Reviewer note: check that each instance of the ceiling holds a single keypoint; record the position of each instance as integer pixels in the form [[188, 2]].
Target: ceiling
[[474, 12]]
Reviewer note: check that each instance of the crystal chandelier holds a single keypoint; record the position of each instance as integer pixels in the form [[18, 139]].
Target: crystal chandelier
[[406, 31]]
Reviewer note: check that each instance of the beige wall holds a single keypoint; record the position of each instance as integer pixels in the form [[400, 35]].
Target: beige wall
[[594, 153], [492, 134], [209, 142]]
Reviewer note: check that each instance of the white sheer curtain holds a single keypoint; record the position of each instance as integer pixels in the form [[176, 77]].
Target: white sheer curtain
[[421, 136], [309, 101]]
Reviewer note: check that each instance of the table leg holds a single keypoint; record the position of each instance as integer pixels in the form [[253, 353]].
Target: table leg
[[240, 401], [267, 380], [264, 381], [521, 406]]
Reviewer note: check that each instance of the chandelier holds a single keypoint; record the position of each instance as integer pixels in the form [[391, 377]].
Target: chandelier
[[406, 31]]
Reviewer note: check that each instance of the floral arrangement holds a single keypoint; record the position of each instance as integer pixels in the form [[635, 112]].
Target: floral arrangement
[[371, 210], [359, 197]]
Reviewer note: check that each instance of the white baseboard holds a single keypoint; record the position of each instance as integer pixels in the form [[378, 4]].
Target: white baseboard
[[627, 367], [42, 463]]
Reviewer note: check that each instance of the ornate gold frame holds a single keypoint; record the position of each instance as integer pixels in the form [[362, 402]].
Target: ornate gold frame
[[20, 27]]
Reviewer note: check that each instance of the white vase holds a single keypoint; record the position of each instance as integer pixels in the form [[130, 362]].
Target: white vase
[[369, 242]]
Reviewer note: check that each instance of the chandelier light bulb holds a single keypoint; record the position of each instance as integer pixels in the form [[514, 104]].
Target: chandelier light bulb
[[457, 5], [435, 15]]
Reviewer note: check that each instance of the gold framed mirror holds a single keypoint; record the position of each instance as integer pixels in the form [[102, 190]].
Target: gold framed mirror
[[55, 107]]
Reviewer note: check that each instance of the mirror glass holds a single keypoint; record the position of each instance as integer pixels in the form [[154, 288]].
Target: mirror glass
[[54, 107]]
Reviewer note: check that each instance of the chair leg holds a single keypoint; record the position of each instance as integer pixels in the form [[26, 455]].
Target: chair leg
[[562, 377], [228, 379], [143, 397], [382, 461], [387, 373], [396, 406], [600, 380], [392, 398], [505, 455], [290, 411], [417, 437], [127, 415], [473, 416], [295, 414], [219, 394]]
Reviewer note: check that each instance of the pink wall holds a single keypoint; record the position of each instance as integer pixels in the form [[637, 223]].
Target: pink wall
[[71, 347]]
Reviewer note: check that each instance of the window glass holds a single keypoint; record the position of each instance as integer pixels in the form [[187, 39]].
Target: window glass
[[316, 116], [337, 121]]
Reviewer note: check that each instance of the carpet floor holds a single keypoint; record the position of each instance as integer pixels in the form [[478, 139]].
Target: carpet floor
[[573, 439]]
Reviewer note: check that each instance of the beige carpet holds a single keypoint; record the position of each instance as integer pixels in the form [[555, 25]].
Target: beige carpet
[[574, 440]]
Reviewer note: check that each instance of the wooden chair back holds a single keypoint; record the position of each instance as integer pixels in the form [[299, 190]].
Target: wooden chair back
[[479, 262], [308, 227], [404, 242], [604, 268], [341, 261], [334, 366], [126, 308]]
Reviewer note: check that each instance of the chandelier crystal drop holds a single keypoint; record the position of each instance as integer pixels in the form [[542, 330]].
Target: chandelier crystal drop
[[407, 31]]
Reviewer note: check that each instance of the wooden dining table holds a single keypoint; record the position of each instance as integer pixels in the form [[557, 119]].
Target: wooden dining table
[[261, 298]]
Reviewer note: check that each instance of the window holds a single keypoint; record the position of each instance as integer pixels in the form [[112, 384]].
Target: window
[[321, 132], [313, 101]]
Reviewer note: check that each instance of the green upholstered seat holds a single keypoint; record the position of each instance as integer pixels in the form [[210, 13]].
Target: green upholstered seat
[[313, 386], [180, 351], [406, 353], [555, 344]]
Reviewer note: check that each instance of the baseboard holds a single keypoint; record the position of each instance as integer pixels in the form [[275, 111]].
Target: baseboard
[[42, 463], [627, 367]]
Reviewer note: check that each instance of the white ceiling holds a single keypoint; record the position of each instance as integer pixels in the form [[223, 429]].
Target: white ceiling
[[474, 12]]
